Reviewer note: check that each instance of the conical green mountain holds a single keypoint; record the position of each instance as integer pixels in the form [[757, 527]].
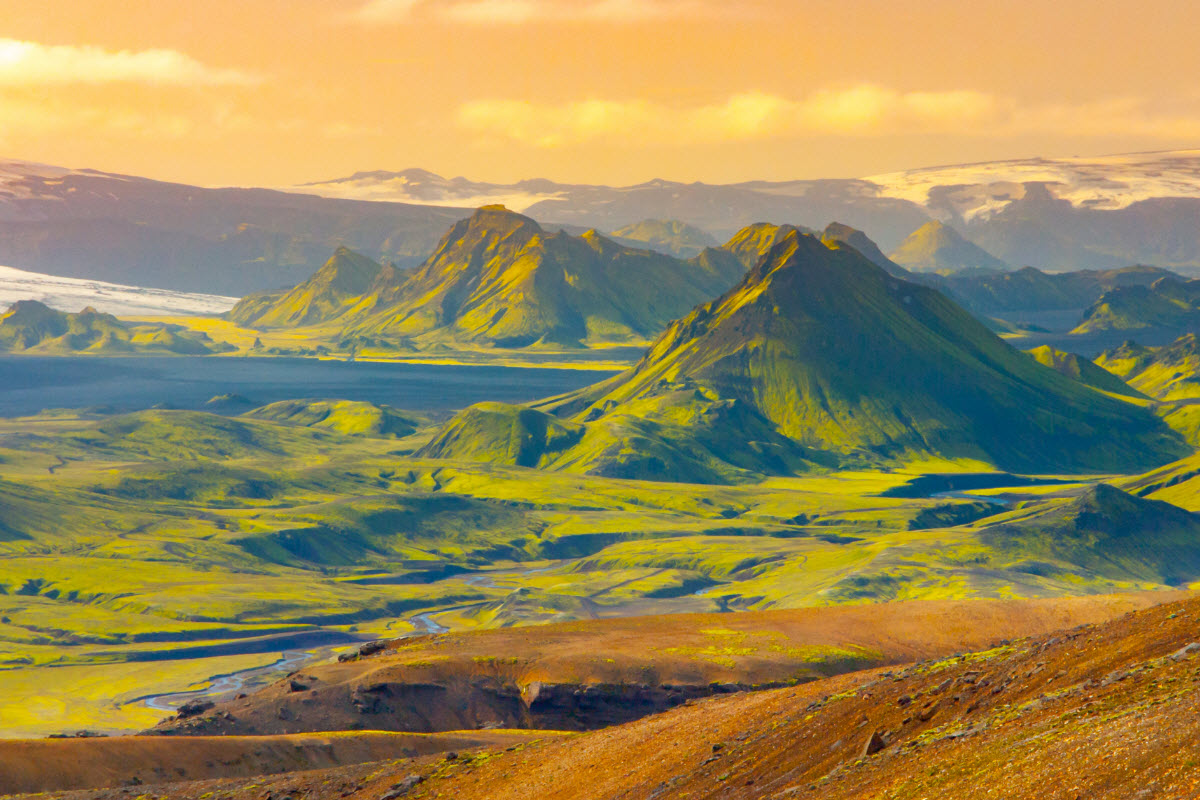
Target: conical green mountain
[[1080, 369], [326, 295], [499, 279], [936, 247], [820, 356], [33, 327]]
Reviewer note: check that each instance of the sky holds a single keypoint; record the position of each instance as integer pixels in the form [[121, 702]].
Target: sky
[[279, 92]]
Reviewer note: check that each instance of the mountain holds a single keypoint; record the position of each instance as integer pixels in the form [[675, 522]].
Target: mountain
[[1080, 369], [1055, 214], [499, 278], [33, 327], [1167, 303], [73, 294], [346, 275], [140, 232], [819, 357], [668, 236], [936, 247]]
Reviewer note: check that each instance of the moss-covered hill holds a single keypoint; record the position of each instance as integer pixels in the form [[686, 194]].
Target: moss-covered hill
[[819, 356], [1079, 368], [499, 279], [936, 247], [326, 295], [33, 327], [1167, 303]]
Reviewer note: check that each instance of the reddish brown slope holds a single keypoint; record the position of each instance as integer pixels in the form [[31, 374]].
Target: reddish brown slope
[[586, 675]]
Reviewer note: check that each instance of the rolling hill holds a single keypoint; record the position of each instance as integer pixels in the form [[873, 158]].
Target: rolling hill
[[35, 328], [818, 357], [500, 279], [1167, 303], [936, 247]]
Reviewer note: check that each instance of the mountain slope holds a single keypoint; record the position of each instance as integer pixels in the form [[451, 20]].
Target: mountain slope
[[1080, 369], [324, 296], [499, 278], [837, 232], [936, 247], [72, 294], [821, 356], [33, 327], [1166, 303]]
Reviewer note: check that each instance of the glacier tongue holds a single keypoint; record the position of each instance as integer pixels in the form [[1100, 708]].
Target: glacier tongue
[[75, 294]]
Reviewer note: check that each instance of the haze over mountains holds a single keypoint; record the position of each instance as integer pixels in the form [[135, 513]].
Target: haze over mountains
[[1053, 214]]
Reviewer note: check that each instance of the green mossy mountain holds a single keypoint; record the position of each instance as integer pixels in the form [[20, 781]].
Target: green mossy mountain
[[819, 357], [936, 247], [346, 276], [669, 236], [754, 241], [1167, 303], [33, 327], [1171, 372], [1107, 532], [500, 279], [1080, 369]]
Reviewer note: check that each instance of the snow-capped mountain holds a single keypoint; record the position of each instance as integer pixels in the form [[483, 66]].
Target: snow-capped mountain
[[422, 187], [75, 294], [977, 191]]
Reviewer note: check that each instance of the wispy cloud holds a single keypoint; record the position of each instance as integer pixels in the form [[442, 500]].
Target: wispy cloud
[[24, 63], [865, 110], [514, 12]]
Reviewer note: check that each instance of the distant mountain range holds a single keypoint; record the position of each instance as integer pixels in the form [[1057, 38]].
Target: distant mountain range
[[1053, 214], [139, 232]]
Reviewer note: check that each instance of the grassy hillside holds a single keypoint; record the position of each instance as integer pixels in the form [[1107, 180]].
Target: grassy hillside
[[344, 416], [34, 328], [1167, 303], [1079, 368], [936, 247], [321, 298]]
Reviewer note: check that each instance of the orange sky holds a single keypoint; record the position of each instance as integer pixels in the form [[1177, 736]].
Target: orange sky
[[274, 92]]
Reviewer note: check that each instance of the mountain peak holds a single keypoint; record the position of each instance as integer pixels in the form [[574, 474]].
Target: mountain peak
[[937, 247]]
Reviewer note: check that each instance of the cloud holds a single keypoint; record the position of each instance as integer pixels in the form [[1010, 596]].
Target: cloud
[[515, 12], [865, 110], [24, 63]]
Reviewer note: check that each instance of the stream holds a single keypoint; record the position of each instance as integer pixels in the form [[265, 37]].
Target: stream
[[228, 684]]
